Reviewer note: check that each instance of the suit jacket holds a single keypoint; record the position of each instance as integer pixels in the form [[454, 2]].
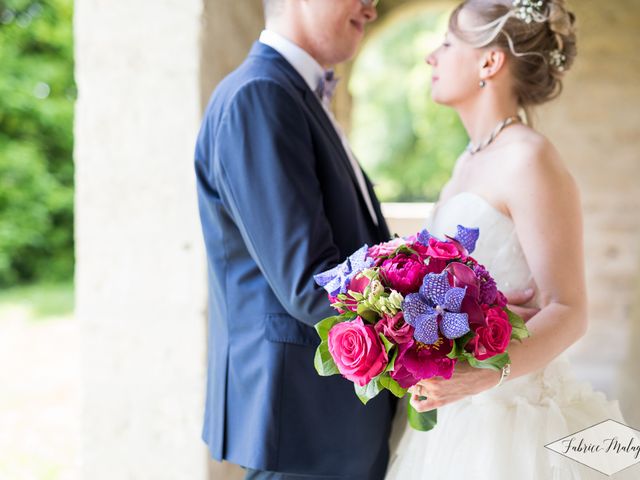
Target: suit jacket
[[279, 203]]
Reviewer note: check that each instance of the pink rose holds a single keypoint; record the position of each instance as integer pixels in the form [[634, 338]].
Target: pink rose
[[385, 249], [395, 328], [444, 250], [417, 361], [404, 273], [492, 339], [357, 351]]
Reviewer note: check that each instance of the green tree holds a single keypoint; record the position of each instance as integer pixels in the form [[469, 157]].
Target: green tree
[[37, 94], [406, 141]]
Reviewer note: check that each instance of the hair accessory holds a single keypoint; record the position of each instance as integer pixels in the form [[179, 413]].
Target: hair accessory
[[557, 59], [529, 10]]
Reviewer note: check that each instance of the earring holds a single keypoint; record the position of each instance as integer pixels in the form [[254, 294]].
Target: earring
[[482, 84]]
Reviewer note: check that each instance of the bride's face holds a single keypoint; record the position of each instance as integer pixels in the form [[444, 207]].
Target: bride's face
[[456, 65]]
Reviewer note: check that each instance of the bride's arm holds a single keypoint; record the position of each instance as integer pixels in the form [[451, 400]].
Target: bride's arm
[[544, 202], [545, 207]]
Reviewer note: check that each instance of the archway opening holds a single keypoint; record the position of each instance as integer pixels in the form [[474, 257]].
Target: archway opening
[[404, 140]]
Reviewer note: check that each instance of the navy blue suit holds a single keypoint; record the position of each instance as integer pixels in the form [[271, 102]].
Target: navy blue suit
[[279, 203]]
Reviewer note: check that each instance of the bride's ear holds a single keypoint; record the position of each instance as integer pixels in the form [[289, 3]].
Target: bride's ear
[[491, 62]]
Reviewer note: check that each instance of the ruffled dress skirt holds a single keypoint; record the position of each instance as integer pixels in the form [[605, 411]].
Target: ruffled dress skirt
[[501, 434]]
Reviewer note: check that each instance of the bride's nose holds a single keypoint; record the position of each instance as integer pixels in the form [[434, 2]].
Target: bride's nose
[[431, 59]]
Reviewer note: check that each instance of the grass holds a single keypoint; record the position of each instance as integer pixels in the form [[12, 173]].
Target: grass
[[41, 301], [40, 401]]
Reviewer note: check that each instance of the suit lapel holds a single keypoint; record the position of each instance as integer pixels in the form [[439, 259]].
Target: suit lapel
[[319, 114]]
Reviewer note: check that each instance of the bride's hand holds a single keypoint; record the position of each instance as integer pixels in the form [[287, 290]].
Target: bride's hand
[[465, 381], [516, 301]]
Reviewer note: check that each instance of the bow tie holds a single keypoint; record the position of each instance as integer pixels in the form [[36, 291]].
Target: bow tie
[[327, 86]]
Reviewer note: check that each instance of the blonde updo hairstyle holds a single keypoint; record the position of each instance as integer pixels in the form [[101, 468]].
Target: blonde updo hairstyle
[[540, 43]]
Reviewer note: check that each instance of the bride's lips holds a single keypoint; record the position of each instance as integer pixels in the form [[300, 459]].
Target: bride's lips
[[358, 25], [434, 79]]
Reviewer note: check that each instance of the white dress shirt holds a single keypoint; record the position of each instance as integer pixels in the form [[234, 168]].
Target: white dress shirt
[[312, 72]]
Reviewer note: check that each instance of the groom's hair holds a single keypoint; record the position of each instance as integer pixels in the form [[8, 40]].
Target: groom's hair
[[272, 7]]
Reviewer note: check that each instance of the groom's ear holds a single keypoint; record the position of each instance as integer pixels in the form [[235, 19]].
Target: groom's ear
[[491, 63]]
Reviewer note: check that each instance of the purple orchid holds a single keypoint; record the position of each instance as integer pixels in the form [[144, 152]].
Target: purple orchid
[[336, 280], [467, 237], [424, 236], [436, 300]]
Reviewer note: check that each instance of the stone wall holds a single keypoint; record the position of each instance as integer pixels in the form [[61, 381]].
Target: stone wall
[[596, 126]]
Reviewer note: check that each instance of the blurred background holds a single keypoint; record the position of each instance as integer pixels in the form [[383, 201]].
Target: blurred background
[[102, 272]]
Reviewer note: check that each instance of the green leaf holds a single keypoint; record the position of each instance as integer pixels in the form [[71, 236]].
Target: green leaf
[[403, 249], [390, 384], [367, 315], [392, 359], [387, 343], [422, 422], [371, 274], [458, 350], [520, 330], [323, 326], [369, 391], [494, 363], [356, 296], [323, 361]]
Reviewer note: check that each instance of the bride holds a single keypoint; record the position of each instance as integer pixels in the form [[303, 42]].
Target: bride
[[500, 58]]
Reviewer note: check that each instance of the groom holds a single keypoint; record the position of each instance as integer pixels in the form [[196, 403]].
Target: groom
[[282, 198]]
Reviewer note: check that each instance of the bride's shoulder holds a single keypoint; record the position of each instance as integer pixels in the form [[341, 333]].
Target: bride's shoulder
[[531, 152], [535, 166]]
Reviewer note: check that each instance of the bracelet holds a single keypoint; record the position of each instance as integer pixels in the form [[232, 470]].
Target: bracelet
[[506, 371]]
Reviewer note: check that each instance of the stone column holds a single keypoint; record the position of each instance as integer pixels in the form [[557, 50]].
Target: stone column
[[140, 274]]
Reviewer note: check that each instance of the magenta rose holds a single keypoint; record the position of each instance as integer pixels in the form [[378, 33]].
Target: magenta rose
[[395, 328], [420, 249], [357, 351], [444, 250], [404, 273], [492, 339], [358, 285], [417, 361]]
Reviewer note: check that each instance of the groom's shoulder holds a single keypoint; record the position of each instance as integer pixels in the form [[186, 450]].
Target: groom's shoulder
[[256, 76], [256, 72]]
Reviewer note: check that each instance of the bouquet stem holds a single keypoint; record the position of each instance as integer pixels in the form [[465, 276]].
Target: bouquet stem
[[422, 422]]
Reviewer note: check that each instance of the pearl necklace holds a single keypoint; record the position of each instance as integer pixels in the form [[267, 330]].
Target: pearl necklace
[[501, 126]]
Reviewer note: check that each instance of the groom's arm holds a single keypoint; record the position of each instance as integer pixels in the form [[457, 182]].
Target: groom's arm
[[267, 178]]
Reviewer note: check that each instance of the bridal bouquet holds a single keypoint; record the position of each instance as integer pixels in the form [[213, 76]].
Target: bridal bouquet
[[410, 309]]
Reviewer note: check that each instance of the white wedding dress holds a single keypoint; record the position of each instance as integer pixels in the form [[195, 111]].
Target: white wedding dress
[[500, 434]]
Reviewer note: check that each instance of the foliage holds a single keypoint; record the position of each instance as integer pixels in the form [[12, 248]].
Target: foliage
[[406, 141], [41, 302], [37, 94]]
